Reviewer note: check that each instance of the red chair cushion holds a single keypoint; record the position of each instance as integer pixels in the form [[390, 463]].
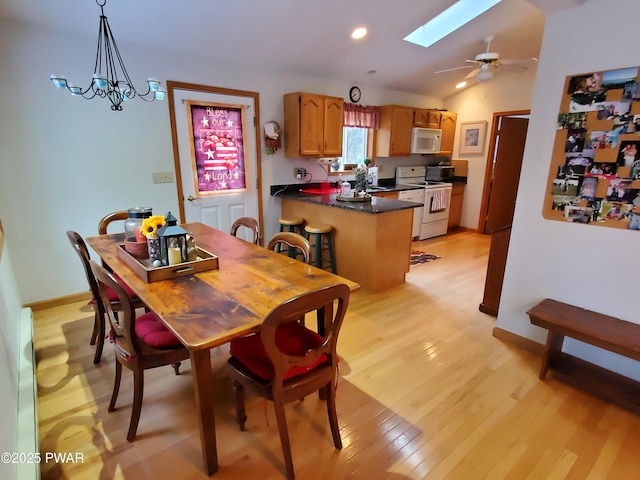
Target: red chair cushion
[[291, 338], [154, 333], [113, 296]]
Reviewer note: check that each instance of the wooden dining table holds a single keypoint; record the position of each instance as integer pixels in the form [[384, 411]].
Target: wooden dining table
[[208, 309]]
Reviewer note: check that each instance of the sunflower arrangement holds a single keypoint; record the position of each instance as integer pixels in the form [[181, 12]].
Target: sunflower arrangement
[[150, 225]]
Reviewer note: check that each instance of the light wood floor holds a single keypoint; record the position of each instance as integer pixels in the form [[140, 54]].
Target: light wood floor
[[426, 392]]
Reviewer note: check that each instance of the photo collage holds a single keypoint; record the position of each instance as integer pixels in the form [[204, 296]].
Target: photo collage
[[595, 170]]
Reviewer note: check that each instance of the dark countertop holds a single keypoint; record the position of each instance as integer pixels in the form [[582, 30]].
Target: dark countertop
[[390, 184], [277, 190], [376, 205], [384, 185]]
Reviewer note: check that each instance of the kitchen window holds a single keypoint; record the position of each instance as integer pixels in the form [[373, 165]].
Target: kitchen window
[[354, 148], [357, 136]]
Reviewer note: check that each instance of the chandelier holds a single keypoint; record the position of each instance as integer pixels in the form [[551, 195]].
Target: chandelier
[[110, 77]]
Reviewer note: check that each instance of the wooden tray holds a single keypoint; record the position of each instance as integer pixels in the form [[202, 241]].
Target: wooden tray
[[144, 270], [366, 198]]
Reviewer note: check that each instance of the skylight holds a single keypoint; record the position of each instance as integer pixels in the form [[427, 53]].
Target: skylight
[[458, 14]]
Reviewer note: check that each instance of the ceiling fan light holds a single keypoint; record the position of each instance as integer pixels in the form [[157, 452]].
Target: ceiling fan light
[[461, 85], [484, 75]]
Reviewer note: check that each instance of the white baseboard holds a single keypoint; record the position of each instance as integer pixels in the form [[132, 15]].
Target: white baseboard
[[27, 398]]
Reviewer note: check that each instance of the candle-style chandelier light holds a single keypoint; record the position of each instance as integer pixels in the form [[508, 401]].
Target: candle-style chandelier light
[[110, 77]]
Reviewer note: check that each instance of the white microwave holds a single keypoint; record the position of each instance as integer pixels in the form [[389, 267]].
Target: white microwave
[[425, 140]]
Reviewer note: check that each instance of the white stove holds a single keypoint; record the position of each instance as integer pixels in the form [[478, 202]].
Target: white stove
[[415, 177], [433, 218]]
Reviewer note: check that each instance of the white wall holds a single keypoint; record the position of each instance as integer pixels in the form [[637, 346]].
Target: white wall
[[592, 267], [507, 91], [9, 352], [65, 162]]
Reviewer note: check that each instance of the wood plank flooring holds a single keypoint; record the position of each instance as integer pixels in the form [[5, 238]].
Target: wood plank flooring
[[426, 392]]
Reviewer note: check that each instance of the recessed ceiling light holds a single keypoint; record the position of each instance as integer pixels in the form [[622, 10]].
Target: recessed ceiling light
[[359, 32], [461, 12], [461, 85]]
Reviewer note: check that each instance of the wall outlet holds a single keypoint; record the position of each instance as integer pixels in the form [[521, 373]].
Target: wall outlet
[[163, 177], [299, 173]]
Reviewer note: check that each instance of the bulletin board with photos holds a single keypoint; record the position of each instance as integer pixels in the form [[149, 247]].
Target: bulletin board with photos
[[595, 168]]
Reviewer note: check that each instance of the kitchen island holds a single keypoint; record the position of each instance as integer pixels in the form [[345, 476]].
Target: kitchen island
[[372, 239]]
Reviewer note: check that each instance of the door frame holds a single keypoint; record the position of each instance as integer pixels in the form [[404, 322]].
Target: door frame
[[491, 157], [173, 85]]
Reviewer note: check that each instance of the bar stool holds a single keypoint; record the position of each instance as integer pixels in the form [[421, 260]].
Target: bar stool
[[321, 241], [294, 225]]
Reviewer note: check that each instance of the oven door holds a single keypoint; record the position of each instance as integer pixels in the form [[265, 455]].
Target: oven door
[[436, 204]]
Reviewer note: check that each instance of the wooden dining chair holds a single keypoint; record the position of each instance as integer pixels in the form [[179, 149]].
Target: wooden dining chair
[[99, 322], [109, 218], [286, 361], [293, 241], [141, 342], [246, 222]]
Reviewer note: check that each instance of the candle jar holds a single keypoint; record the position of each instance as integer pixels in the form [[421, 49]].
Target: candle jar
[[174, 252], [134, 222]]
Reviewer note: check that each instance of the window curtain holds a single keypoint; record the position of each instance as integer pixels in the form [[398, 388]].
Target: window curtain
[[361, 116]]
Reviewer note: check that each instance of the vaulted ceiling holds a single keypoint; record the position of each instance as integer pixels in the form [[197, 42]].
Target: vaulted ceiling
[[311, 36]]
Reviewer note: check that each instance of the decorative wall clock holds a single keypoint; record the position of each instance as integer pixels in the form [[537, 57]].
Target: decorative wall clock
[[355, 94]]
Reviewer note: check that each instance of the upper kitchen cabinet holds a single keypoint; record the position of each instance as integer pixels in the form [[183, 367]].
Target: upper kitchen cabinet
[[393, 138], [426, 118], [312, 125], [445, 121], [448, 126]]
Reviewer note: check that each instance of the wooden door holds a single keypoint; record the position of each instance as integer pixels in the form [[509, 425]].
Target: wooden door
[[510, 140], [501, 185], [333, 122], [495, 271], [311, 124]]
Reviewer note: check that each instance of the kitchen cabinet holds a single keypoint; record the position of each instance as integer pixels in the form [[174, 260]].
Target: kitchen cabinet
[[445, 121], [372, 249], [448, 126], [455, 207], [426, 118], [393, 138], [391, 195], [312, 125]]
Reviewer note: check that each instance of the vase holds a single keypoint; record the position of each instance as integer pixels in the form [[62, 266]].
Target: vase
[[153, 245]]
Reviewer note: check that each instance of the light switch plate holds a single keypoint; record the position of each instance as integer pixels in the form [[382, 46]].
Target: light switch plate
[[163, 177]]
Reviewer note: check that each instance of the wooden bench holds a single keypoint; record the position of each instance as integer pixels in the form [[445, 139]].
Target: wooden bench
[[603, 331]]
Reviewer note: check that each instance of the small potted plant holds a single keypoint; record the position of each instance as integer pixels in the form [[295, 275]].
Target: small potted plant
[[362, 177]]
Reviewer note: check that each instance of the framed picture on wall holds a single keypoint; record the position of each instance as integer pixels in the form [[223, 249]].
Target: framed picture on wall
[[472, 137]]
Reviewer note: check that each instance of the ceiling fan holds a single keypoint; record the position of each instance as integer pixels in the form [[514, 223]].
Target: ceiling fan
[[485, 64]]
